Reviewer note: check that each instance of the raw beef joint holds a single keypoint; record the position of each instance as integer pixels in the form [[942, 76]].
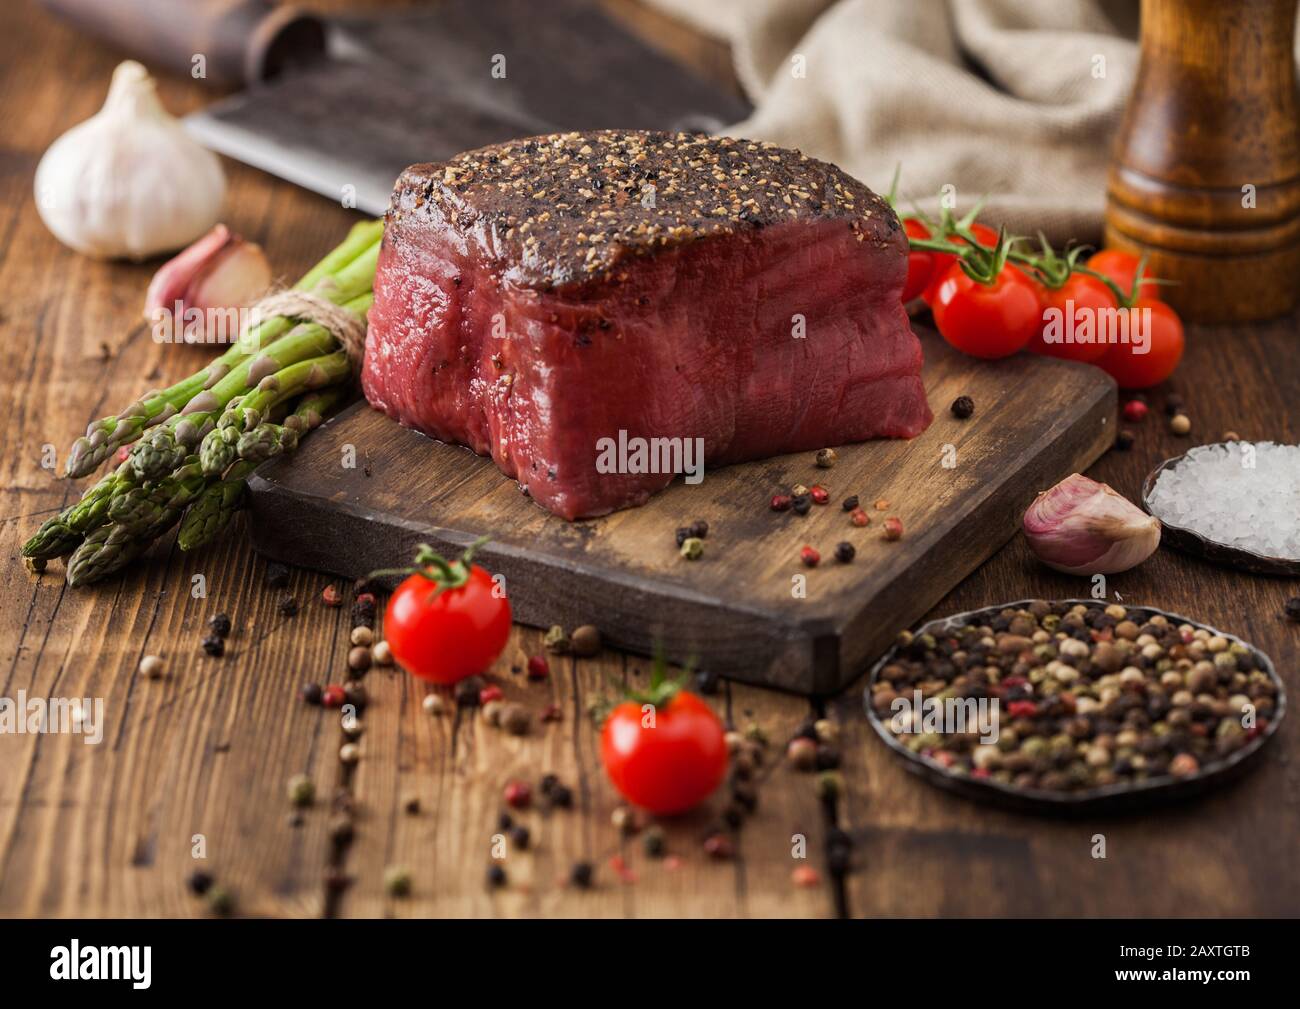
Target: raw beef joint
[[602, 311]]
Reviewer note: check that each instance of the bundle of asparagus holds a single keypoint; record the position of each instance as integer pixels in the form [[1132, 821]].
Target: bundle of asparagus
[[196, 442]]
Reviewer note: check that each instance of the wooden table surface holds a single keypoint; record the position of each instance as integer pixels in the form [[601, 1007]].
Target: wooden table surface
[[202, 756]]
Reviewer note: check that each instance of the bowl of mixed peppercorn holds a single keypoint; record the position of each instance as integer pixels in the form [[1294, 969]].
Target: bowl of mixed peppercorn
[[1089, 704]]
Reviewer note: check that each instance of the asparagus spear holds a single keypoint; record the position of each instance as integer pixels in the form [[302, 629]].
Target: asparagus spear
[[212, 511], [60, 534], [345, 274], [164, 447]]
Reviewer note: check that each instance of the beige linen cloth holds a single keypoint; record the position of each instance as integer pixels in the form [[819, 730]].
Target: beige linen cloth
[[1016, 100]]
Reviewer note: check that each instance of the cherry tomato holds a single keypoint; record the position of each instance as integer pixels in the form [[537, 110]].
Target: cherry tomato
[[920, 262], [445, 634], [987, 320], [942, 260], [667, 765], [1163, 338], [1121, 267], [1081, 301]]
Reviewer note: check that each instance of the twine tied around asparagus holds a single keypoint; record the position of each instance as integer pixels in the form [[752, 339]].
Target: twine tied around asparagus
[[345, 326]]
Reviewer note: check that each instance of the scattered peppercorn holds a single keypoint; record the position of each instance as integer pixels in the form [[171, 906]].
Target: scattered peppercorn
[[214, 646], [496, 876], [1124, 440], [881, 504], [411, 805], [1135, 410], [397, 881], [288, 606], [490, 693], [581, 875], [538, 667], [219, 624], [585, 641], [341, 829], [151, 667], [1180, 423], [850, 503], [199, 882], [1231, 436], [556, 641], [349, 753], [363, 609], [802, 504], [362, 636], [467, 691], [699, 529], [333, 696], [310, 693], [515, 719], [798, 490], [963, 407], [1173, 404], [810, 557], [692, 548], [781, 502], [802, 754], [359, 658], [277, 575], [654, 842], [859, 518], [845, 552], [382, 653], [893, 529], [827, 457], [706, 682], [434, 704], [819, 494], [551, 713], [829, 786], [331, 596], [521, 837], [302, 791], [220, 901], [623, 819], [518, 794], [805, 876], [719, 846], [1292, 608]]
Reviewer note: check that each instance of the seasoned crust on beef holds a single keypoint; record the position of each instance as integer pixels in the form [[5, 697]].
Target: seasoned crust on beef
[[568, 208]]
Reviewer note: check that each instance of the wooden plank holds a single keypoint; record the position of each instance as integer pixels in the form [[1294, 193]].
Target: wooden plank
[[959, 488]]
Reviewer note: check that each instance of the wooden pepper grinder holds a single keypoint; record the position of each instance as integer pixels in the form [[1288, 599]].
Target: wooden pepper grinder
[[1206, 174]]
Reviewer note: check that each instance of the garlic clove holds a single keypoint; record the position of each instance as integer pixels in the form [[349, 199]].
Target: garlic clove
[[1081, 526], [218, 272], [129, 181]]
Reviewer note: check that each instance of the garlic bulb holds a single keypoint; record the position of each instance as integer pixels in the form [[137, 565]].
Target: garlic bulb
[[129, 181], [1083, 527], [220, 271]]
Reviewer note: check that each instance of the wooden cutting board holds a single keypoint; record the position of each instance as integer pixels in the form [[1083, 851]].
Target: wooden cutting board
[[362, 491]]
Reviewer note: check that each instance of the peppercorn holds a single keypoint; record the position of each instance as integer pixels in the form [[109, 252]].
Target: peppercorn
[[829, 785], [220, 901], [798, 490], [845, 552], [521, 836], [826, 730], [551, 713], [699, 529], [827, 457], [805, 876], [411, 805], [654, 842], [781, 502], [1124, 440], [963, 407], [491, 712], [881, 504], [302, 791], [1184, 765], [849, 503], [277, 575], [288, 606], [214, 646], [382, 653], [397, 881], [199, 882], [859, 518], [490, 693], [692, 548], [355, 694], [810, 557], [496, 876], [363, 610], [1135, 410], [828, 757], [362, 636], [556, 641], [331, 596], [581, 875], [623, 819], [819, 494], [518, 794], [341, 830], [333, 696], [349, 753], [151, 667], [802, 504], [802, 754], [538, 667], [1180, 423], [310, 693], [1292, 608], [515, 719], [219, 624], [561, 796], [1173, 404], [434, 704], [1231, 436], [467, 691], [719, 846], [893, 529], [359, 658]]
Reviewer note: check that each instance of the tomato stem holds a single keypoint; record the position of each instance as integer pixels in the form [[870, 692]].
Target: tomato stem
[[433, 566]]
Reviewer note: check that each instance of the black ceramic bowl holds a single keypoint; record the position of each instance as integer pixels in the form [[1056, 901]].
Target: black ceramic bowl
[[1112, 797], [1220, 553]]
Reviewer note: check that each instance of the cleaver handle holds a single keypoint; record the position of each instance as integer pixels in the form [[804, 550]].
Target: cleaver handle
[[241, 41]]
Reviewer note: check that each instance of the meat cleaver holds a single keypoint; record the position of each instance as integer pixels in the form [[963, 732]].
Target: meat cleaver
[[340, 106]]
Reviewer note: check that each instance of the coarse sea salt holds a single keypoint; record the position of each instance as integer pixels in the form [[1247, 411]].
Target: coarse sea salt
[[1242, 494]]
